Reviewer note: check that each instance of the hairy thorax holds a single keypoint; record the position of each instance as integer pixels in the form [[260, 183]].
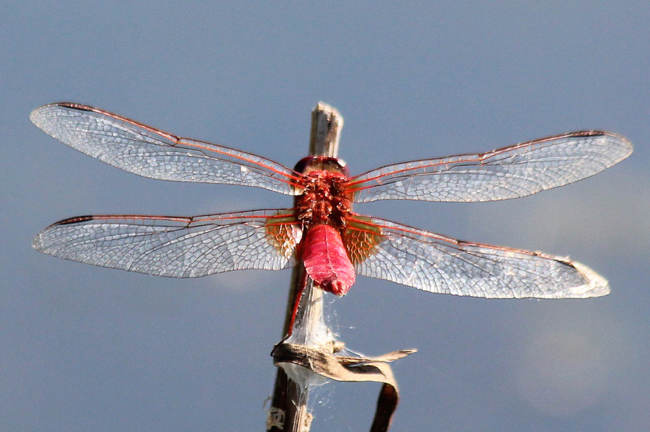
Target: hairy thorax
[[323, 200]]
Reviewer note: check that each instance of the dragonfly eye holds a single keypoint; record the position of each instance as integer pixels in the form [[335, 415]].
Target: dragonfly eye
[[302, 164], [329, 164]]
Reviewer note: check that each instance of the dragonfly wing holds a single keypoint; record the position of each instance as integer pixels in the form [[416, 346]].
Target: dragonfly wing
[[148, 152], [180, 247], [510, 172], [439, 264]]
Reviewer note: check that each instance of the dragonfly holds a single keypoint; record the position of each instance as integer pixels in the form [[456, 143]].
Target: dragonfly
[[321, 231]]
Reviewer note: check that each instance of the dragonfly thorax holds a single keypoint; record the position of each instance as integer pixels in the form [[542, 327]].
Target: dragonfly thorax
[[324, 200]]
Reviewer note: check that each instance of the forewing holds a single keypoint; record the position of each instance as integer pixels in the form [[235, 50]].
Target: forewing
[[438, 264], [510, 172], [148, 152], [176, 246]]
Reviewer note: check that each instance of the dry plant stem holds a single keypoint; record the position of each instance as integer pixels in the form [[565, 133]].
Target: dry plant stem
[[289, 401]]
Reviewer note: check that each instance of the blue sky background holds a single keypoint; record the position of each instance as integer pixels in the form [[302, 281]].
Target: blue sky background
[[85, 348]]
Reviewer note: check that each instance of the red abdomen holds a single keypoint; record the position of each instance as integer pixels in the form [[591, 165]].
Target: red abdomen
[[326, 260]]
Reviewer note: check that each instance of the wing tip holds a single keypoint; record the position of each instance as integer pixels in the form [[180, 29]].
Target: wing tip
[[596, 285], [36, 116], [39, 119], [624, 147], [623, 143], [37, 242]]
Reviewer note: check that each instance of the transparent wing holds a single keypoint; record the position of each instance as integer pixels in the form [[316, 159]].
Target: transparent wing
[[510, 172], [180, 247], [439, 264], [148, 152]]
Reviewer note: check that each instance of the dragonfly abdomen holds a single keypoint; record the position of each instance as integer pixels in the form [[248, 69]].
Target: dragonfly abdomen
[[326, 260]]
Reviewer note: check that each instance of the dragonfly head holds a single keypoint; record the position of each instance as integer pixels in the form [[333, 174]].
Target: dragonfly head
[[321, 163]]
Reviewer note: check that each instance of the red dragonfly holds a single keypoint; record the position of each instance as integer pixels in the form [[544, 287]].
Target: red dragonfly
[[321, 230]]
